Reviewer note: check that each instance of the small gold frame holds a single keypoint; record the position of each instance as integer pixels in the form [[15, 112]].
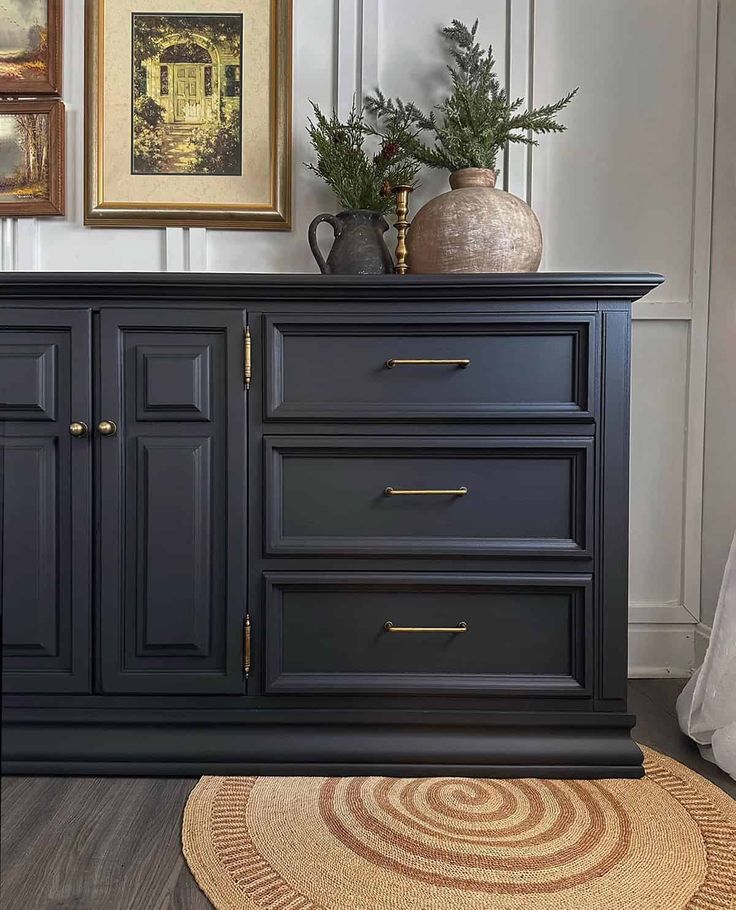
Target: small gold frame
[[54, 204], [274, 216], [52, 84]]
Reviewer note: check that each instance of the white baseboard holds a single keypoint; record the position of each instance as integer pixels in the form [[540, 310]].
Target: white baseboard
[[670, 612], [658, 650]]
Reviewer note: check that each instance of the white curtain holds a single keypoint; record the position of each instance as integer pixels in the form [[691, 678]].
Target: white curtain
[[706, 707]]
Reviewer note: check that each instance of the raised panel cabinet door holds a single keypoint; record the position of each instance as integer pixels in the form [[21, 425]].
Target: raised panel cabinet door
[[45, 498], [172, 473]]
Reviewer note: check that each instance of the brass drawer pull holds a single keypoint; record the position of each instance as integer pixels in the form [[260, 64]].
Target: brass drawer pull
[[461, 491], [450, 630], [390, 364]]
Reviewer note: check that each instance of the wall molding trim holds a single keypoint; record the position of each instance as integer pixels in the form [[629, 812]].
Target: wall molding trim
[[672, 612], [658, 650], [672, 650], [176, 249], [370, 60], [28, 245], [7, 244], [186, 249], [707, 39], [668, 310], [20, 245], [517, 159], [348, 54], [197, 249]]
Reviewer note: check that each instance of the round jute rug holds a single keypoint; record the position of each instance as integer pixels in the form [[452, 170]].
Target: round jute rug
[[666, 842]]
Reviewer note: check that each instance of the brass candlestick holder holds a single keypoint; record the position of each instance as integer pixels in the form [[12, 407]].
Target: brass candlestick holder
[[402, 226]]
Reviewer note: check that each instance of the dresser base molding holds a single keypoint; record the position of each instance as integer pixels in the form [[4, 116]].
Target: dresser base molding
[[570, 748]]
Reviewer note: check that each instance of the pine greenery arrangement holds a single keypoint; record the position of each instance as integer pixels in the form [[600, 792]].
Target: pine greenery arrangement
[[359, 179], [474, 123]]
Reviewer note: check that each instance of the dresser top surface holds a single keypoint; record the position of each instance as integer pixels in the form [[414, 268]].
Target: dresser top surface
[[624, 286]]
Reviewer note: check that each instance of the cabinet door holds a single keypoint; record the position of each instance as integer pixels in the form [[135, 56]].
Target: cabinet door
[[172, 501], [45, 490]]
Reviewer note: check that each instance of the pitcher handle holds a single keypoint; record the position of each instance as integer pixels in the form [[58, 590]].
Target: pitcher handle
[[314, 246]]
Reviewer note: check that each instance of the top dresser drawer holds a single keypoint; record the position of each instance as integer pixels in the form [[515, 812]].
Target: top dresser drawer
[[349, 368]]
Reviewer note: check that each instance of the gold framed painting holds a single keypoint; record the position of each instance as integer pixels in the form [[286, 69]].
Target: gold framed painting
[[31, 158], [30, 47], [188, 113]]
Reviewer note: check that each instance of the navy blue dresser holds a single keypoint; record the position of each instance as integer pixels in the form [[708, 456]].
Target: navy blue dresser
[[310, 525]]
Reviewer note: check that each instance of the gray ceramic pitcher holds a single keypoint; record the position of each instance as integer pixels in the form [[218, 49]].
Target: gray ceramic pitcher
[[359, 247]]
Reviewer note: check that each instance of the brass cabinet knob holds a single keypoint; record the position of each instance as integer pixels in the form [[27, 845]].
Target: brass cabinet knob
[[107, 428], [78, 429]]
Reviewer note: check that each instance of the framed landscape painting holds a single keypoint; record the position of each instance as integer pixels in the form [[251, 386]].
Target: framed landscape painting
[[30, 47], [31, 158], [189, 113]]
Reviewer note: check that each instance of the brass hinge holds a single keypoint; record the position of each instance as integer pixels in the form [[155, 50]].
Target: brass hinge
[[248, 357], [246, 645]]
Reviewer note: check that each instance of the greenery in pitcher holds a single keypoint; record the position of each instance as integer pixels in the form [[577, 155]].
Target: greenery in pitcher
[[362, 178], [473, 124]]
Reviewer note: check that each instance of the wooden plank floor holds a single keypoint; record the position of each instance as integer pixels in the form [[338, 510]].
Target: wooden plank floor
[[111, 844]]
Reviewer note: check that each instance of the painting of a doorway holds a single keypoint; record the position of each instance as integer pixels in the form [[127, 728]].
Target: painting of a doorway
[[30, 47], [31, 158], [187, 97], [188, 113]]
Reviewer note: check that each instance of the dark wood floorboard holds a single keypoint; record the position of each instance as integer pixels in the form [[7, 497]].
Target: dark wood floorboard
[[653, 702], [114, 844], [95, 844]]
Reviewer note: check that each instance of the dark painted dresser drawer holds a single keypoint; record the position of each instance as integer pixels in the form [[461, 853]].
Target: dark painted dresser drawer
[[525, 496], [423, 633], [402, 368]]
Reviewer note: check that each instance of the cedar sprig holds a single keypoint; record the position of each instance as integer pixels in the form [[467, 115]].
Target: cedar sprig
[[359, 177], [472, 125]]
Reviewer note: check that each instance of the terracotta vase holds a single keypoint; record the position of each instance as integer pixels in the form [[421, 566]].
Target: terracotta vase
[[474, 228], [359, 247]]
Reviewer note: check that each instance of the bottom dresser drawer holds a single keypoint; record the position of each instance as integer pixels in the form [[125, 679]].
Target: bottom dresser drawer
[[428, 634]]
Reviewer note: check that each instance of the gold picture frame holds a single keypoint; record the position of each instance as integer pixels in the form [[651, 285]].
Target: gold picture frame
[[175, 191], [28, 196], [42, 73]]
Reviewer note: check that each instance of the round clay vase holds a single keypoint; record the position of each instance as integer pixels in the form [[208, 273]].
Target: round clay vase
[[474, 228], [359, 247]]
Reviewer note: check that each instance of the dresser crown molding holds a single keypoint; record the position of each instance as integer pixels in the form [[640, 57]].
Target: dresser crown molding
[[622, 286]]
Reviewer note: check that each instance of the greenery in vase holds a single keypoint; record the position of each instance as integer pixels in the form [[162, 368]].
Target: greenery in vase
[[361, 179], [476, 120]]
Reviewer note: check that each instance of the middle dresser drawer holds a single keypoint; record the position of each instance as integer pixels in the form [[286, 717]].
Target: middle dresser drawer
[[429, 496]]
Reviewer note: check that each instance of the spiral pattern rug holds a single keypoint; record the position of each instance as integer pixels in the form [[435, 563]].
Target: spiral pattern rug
[[666, 842]]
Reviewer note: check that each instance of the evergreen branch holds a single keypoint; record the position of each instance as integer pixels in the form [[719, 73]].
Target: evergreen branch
[[359, 179], [476, 120]]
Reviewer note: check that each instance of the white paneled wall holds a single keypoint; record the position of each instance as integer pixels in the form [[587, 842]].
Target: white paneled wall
[[658, 428], [628, 187]]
